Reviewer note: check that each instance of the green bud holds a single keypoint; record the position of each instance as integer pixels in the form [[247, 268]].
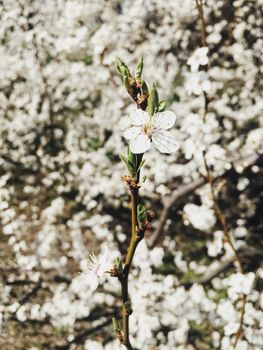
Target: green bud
[[128, 308], [141, 215], [118, 265], [116, 325], [153, 101], [138, 71]]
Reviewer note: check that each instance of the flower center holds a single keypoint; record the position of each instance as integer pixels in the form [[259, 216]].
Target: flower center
[[148, 129]]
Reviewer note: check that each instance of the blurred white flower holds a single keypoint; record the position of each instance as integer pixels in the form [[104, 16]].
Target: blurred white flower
[[201, 217], [199, 58], [240, 283], [147, 130], [197, 83], [96, 268], [215, 247]]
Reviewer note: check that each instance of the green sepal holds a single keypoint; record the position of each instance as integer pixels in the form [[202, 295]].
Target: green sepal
[[141, 215], [116, 325], [139, 69], [153, 101], [161, 106], [135, 161], [141, 165]]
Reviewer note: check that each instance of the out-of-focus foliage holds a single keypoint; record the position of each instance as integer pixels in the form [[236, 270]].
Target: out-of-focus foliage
[[62, 114]]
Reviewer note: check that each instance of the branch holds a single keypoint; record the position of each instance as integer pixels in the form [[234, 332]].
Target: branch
[[184, 191], [212, 271]]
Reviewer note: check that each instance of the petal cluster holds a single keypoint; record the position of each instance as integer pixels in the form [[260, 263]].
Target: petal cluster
[[146, 130], [96, 268]]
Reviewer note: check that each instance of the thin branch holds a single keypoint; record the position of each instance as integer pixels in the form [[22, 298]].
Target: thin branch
[[184, 191], [212, 272], [219, 213]]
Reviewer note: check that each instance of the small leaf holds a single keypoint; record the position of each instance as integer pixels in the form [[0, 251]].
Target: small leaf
[[144, 88], [141, 215], [128, 164], [141, 165], [126, 83], [116, 325], [118, 265], [122, 67], [143, 179], [139, 69], [132, 159], [161, 106], [153, 101]]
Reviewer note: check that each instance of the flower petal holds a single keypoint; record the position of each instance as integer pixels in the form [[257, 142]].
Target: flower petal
[[140, 144], [132, 132], [165, 142], [139, 117], [164, 120], [104, 263], [94, 284]]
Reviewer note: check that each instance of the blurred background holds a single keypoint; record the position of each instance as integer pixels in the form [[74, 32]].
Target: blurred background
[[63, 110]]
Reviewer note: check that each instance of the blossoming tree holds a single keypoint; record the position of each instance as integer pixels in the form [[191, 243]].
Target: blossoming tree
[[196, 273]]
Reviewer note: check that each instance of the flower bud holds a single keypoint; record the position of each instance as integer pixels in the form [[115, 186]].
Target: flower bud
[[141, 215], [118, 265], [150, 215], [128, 308]]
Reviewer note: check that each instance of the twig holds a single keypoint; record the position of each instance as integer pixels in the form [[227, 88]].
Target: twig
[[212, 272], [219, 213], [79, 338], [184, 191]]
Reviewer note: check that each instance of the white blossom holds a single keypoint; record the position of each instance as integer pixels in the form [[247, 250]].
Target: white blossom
[[147, 130], [240, 283], [201, 217], [96, 268], [199, 58]]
